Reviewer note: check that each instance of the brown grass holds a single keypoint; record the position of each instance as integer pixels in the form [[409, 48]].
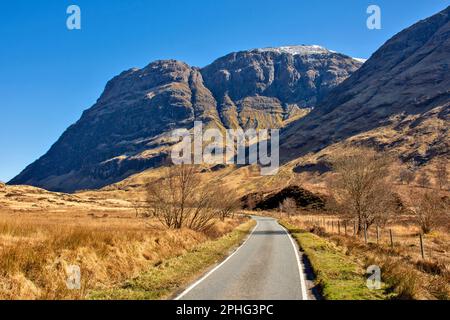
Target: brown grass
[[36, 248]]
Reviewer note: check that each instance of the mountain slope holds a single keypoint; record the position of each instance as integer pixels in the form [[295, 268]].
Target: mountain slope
[[128, 128], [399, 99]]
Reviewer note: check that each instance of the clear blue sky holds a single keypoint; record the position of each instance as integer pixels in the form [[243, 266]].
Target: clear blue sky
[[49, 75]]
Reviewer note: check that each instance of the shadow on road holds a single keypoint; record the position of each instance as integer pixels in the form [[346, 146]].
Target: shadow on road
[[269, 232], [311, 277]]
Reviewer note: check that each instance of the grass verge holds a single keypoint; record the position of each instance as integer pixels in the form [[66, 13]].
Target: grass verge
[[166, 278], [339, 276]]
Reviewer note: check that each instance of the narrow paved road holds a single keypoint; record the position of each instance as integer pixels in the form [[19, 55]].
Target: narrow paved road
[[265, 267]]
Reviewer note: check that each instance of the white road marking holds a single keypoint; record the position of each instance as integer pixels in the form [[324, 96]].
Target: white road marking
[[300, 268], [216, 268]]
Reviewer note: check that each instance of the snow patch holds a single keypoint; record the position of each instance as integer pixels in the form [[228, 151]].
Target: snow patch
[[303, 50], [360, 60], [298, 50]]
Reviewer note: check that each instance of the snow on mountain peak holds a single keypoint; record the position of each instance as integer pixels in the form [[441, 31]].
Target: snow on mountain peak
[[299, 50], [360, 60], [303, 50]]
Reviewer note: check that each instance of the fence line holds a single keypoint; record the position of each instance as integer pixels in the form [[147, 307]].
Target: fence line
[[335, 226]]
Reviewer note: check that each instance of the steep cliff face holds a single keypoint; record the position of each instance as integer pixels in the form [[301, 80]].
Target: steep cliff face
[[264, 87], [127, 130], [399, 99]]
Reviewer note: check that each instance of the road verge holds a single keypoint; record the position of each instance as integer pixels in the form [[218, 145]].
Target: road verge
[[167, 278], [338, 276]]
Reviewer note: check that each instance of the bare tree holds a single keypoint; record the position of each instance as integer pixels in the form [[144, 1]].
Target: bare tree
[[442, 173], [430, 210], [178, 199], [250, 202], [227, 202], [360, 186], [407, 176], [289, 206], [423, 181], [140, 208]]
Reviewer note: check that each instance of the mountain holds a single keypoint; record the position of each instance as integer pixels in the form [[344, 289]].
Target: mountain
[[128, 128], [398, 100]]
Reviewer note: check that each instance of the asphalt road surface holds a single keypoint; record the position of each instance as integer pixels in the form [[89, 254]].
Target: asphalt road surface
[[266, 267]]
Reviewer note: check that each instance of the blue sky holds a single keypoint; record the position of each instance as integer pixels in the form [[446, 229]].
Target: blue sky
[[49, 75]]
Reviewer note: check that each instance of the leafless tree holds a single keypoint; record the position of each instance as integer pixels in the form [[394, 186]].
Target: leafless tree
[[423, 181], [430, 210], [178, 199], [250, 203], [227, 202], [140, 208], [289, 206], [360, 186], [407, 176], [442, 173]]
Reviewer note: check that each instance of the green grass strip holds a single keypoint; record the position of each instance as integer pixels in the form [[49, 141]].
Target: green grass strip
[[339, 276]]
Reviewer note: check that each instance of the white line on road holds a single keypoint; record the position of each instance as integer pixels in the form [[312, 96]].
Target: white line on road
[[217, 267], [300, 268]]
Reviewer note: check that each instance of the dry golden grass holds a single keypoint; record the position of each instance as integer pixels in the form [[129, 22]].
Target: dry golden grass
[[166, 280], [27, 198], [37, 247], [405, 235]]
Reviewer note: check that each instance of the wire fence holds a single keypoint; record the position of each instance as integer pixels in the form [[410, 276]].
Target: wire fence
[[375, 234]]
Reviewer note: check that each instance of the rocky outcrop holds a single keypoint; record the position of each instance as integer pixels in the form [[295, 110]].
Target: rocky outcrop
[[127, 130], [264, 87]]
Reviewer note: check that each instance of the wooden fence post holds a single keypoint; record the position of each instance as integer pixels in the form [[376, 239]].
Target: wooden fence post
[[392, 238], [365, 232], [332, 226], [354, 228], [339, 227], [421, 246], [345, 227], [378, 235]]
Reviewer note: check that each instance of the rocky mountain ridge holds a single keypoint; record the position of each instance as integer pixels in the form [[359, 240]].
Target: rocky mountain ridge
[[399, 100], [128, 128]]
